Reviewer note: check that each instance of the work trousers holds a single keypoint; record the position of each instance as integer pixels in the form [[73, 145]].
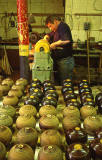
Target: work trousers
[[64, 69]]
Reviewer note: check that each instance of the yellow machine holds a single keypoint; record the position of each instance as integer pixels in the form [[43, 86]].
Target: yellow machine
[[43, 63]]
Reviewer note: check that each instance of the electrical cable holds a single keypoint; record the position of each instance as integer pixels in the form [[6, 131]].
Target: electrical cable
[[70, 20]]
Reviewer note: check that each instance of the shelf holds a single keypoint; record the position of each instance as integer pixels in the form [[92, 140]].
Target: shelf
[[87, 14], [78, 52], [9, 43], [85, 55]]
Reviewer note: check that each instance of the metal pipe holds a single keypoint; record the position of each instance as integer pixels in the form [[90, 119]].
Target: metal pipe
[[88, 14], [23, 33]]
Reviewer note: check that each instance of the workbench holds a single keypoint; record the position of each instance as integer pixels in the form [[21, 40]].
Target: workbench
[[80, 55], [95, 53]]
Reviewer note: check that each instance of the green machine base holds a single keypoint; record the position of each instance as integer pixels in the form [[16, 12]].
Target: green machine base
[[43, 66]]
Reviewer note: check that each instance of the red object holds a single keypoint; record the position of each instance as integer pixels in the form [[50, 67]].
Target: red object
[[23, 30]]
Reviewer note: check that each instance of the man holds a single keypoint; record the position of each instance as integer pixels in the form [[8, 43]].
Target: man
[[61, 45]]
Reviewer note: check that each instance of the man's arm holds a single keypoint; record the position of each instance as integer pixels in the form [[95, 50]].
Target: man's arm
[[58, 43]]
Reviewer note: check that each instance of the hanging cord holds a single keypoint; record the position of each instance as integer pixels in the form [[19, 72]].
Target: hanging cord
[[70, 20], [70, 16], [5, 63]]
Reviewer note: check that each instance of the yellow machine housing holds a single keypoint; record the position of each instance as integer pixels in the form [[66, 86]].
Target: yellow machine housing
[[43, 63]]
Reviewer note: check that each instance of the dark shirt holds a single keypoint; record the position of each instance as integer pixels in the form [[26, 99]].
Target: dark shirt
[[63, 33]]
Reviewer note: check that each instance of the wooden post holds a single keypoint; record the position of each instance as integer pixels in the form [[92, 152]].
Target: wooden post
[[23, 37], [88, 54]]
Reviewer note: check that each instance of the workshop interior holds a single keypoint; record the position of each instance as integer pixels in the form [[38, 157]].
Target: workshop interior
[[42, 118]]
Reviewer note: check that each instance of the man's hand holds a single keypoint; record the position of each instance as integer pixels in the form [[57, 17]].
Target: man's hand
[[46, 37], [56, 44], [53, 46]]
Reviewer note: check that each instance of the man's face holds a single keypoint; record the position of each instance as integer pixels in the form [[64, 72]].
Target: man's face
[[52, 26]]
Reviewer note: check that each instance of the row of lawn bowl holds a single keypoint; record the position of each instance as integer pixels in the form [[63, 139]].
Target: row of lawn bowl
[[38, 125]]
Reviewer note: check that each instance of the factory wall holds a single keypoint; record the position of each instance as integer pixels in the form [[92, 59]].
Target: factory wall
[[39, 9], [78, 12]]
